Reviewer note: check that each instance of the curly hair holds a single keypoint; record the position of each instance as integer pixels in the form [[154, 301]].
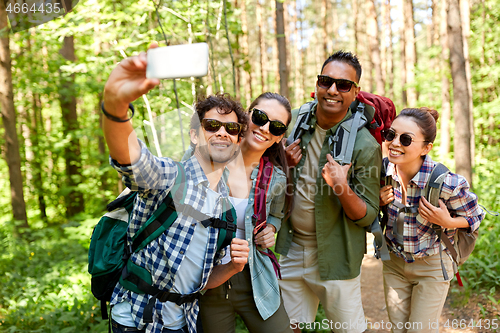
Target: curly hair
[[224, 104]]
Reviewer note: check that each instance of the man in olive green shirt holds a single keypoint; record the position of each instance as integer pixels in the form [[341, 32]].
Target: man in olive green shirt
[[323, 242]]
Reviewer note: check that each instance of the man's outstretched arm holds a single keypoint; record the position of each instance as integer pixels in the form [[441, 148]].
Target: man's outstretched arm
[[126, 83]]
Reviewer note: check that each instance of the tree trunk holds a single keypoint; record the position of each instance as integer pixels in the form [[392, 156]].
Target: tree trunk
[[324, 30], [333, 27], [12, 156], [402, 49], [216, 75], [303, 58], [355, 25], [410, 52], [445, 113], [461, 112], [244, 46], [280, 30], [365, 50], [373, 32], [228, 46], [276, 66], [432, 39], [383, 39], [34, 122], [482, 58], [390, 50], [286, 24], [298, 91], [263, 49], [237, 59], [67, 99], [37, 158], [465, 17]]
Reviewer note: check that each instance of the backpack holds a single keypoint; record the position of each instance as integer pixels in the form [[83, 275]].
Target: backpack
[[464, 242], [374, 112], [109, 251]]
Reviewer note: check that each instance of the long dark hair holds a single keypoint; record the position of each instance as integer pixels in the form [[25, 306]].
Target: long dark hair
[[276, 153]]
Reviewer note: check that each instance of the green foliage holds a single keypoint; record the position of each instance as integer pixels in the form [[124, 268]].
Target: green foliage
[[45, 287]]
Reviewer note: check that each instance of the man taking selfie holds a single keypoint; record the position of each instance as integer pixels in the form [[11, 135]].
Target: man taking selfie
[[181, 260]]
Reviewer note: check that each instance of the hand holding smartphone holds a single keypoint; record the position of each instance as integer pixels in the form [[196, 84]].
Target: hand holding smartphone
[[177, 61]]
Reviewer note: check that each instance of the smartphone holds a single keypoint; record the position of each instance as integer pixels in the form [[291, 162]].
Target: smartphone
[[177, 61]]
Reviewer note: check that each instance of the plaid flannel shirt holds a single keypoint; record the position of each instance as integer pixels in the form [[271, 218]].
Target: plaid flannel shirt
[[153, 177], [420, 239]]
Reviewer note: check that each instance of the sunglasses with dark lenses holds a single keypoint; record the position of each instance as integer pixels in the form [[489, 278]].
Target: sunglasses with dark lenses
[[405, 139], [325, 82], [260, 118], [213, 125]]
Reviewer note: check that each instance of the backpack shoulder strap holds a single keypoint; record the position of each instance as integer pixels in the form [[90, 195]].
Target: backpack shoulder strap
[[383, 175], [164, 216], [435, 183], [346, 140], [432, 191], [302, 122], [229, 219], [124, 200]]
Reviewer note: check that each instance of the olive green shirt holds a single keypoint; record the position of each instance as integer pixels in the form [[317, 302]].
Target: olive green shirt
[[341, 241]]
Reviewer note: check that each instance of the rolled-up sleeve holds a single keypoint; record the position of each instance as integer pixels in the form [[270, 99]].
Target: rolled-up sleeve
[[460, 201], [366, 180], [148, 173]]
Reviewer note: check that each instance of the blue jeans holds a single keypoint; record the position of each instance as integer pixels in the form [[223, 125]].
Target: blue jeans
[[118, 328]]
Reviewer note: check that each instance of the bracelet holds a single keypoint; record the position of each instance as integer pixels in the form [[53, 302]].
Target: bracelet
[[118, 120]]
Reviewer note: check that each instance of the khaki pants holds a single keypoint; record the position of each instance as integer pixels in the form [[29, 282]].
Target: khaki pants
[[303, 290], [415, 293], [218, 308]]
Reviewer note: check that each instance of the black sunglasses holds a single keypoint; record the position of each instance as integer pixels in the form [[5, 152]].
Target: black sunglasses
[[405, 139], [325, 82], [213, 125], [260, 118]]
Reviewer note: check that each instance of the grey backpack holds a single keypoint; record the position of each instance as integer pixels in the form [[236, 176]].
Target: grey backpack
[[464, 242]]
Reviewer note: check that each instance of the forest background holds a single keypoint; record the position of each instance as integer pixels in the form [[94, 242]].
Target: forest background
[[55, 180]]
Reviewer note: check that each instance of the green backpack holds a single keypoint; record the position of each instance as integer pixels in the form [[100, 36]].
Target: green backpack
[[109, 252]]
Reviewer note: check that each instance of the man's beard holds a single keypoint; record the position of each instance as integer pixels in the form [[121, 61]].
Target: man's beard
[[219, 156]]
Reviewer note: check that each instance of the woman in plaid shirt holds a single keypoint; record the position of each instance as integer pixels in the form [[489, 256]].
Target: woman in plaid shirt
[[415, 290]]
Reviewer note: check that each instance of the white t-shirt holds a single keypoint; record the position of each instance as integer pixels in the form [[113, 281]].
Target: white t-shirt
[[240, 206], [188, 276]]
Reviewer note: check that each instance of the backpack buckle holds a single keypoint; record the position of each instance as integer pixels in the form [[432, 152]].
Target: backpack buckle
[[230, 227]]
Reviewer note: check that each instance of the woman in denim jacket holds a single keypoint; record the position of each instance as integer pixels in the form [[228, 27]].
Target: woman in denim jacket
[[254, 293]]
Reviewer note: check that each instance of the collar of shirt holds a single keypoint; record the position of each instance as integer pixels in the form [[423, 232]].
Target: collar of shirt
[[329, 131], [195, 173], [422, 176]]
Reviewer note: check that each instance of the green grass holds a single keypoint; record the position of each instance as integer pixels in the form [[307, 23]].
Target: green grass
[[45, 285]]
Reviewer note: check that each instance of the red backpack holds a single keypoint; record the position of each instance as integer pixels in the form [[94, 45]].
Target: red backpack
[[385, 112]]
